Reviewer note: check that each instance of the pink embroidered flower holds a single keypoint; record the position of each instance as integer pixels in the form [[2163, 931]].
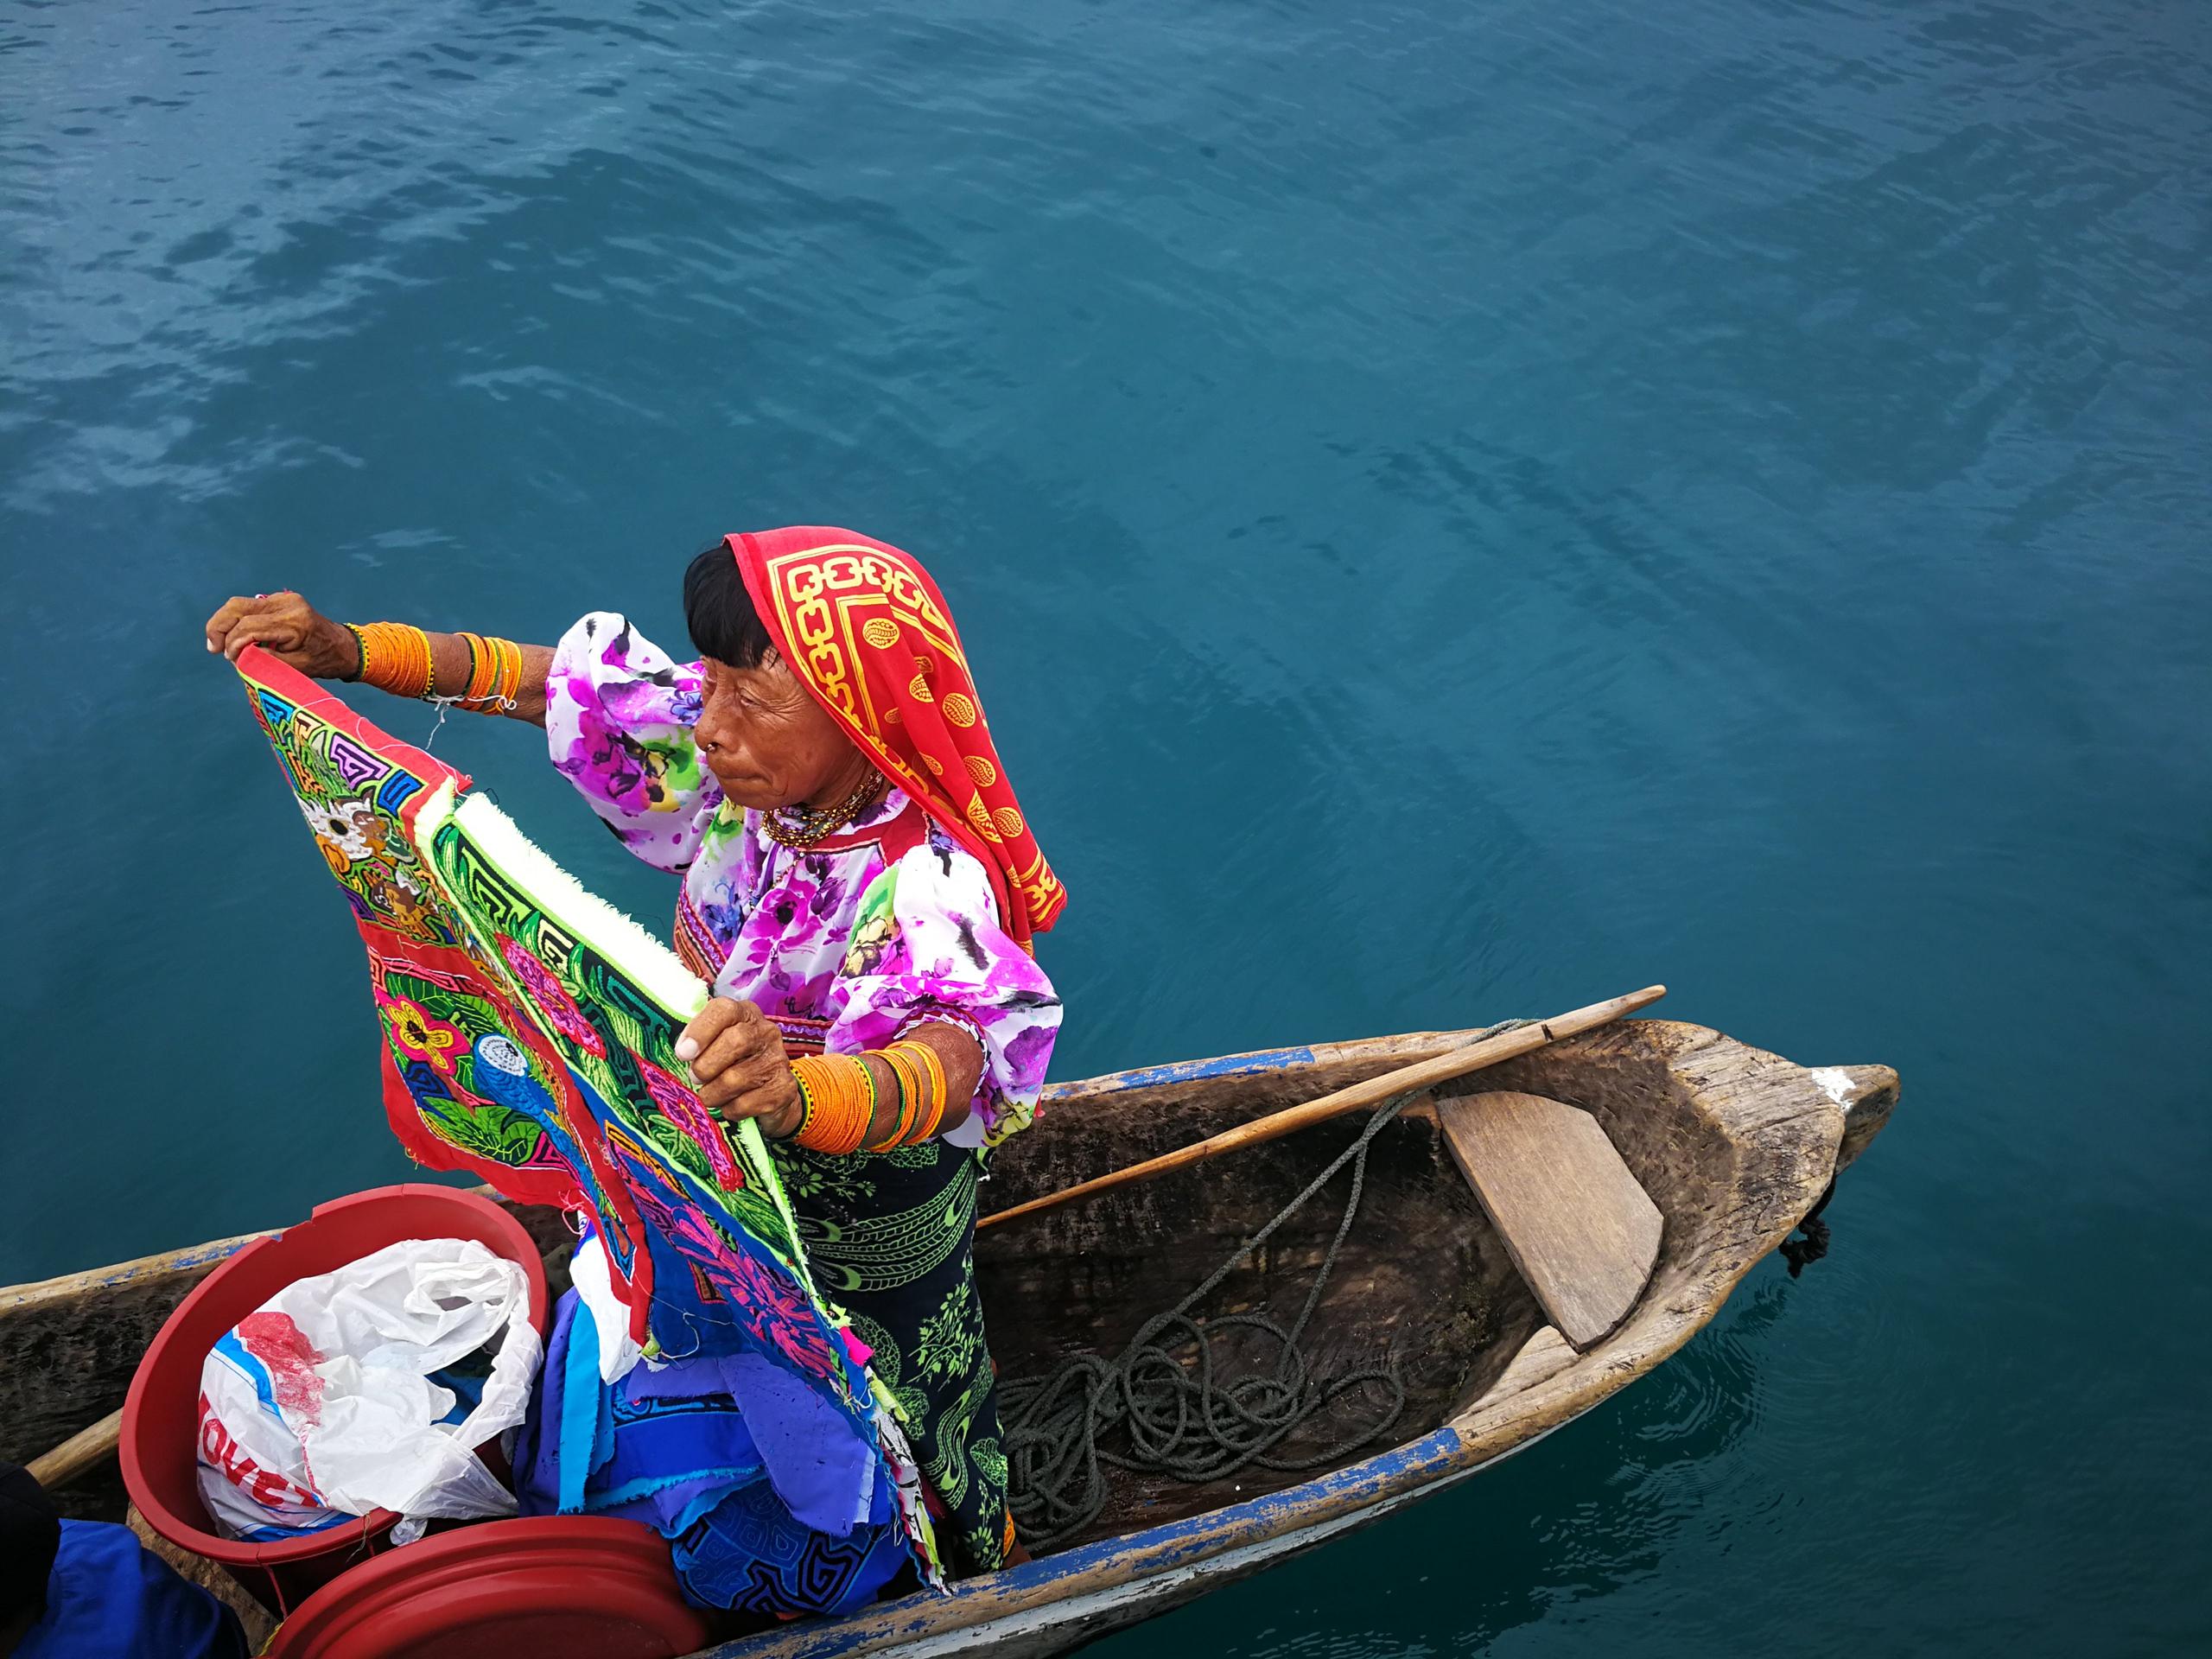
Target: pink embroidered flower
[[682, 1108], [772, 1305], [545, 992]]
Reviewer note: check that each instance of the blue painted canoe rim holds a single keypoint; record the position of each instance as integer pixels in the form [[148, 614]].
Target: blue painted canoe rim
[[1226, 1065], [1399, 1472]]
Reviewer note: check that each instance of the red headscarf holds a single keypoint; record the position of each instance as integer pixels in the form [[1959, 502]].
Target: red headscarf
[[867, 633]]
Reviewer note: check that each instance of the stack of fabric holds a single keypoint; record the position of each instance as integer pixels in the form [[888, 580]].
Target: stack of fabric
[[767, 1506]]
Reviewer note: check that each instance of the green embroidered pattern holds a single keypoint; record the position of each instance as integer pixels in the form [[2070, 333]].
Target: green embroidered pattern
[[982, 1544], [817, 1175], [889, 1250], [990, 1462], [948, 1464], [952, 1338]]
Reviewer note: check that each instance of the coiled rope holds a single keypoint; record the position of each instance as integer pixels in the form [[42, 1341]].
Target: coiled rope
[[1168, 1406]]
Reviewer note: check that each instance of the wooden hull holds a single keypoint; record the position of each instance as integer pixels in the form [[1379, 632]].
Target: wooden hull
[[1735, 1145], [1067, 1600]]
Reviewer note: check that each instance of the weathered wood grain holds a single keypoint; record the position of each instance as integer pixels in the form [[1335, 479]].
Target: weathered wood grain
[[1868, 1094], [1543, 1356], [68, 1347], [1582, 1232]]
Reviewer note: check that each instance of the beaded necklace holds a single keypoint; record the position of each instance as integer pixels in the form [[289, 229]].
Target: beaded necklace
[[817, 824]]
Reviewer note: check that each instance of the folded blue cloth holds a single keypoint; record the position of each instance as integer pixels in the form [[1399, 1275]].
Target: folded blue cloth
[[824, 1473], [749, 1554], [587, 1449], [771, 1499]]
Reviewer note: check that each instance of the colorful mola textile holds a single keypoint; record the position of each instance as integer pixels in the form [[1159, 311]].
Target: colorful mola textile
[[447, 1096], [529, 1034]]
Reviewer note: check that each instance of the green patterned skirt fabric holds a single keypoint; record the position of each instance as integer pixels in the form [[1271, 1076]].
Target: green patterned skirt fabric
[[891, 1238]]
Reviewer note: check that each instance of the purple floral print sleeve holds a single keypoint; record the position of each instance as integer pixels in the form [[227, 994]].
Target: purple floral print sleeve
[[927, 945], [618, 715]]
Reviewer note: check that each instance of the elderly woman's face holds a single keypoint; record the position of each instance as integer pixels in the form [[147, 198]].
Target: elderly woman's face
[[767, 742]]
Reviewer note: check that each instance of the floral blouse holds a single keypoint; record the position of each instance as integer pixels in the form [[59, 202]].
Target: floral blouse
[[844, 946]]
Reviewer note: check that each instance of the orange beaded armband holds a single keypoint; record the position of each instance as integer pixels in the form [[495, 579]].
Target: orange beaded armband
[[510, 672], [395, 657], [935, 1067], [836, 1094], [907, 1073], [920, 1076], [494, 674]]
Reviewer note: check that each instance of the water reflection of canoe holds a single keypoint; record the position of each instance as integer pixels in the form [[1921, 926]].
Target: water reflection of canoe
[[1732, 1145]]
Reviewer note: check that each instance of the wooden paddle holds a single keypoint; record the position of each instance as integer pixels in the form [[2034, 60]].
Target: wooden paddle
[[82, 1451], [1506, 1046]]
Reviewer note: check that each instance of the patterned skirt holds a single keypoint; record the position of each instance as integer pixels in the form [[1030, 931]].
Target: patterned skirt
[[892, 1240]]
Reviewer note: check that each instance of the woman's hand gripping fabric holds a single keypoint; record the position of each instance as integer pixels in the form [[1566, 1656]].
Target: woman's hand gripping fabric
[[288, 628], [736, 1058]]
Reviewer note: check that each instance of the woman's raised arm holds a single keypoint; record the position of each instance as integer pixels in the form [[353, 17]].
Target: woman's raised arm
[[490, 674]]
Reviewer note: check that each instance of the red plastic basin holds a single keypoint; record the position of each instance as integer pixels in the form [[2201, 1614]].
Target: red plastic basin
[[161, 1416], [558, 1587]]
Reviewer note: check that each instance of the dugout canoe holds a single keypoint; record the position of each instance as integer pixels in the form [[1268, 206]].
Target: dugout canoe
[[1735, 1145]]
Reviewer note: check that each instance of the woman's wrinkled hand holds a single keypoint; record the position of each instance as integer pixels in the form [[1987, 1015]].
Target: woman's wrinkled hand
[[290, 630], [737, 1065]]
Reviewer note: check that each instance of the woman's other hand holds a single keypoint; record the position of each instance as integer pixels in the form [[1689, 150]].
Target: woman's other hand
[[288, 628], [737, 1060]]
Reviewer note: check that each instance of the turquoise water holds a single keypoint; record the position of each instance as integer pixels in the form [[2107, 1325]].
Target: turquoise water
[[1458, 510]]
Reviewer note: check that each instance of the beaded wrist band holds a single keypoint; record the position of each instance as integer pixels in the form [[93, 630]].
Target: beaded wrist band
[[836, 1096], [920, 1076], [906, 1077], [929, 1119], [838, 1099], [494, 675], [395, 657], [913, 1097], [508, 680]]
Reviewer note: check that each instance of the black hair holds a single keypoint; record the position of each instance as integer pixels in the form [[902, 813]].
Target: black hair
[[719, 611], [30, 1536]]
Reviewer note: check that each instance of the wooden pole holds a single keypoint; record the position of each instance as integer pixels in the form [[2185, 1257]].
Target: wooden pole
[[1506, 1046], [79, 1453]]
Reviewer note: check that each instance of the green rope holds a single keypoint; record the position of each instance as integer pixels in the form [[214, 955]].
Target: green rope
[[1167, 1401]]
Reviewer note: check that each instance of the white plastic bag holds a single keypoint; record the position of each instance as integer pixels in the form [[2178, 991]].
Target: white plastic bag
[[322, 1404]]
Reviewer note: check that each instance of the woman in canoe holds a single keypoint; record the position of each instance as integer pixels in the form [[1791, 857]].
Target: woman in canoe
[[859, 887]]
